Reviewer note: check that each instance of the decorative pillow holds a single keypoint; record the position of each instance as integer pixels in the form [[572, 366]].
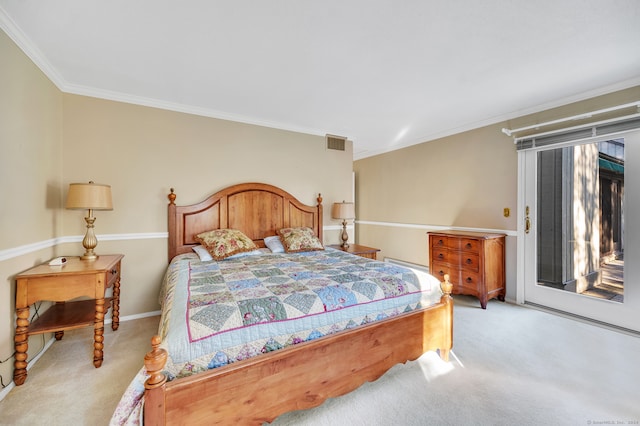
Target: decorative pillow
[[274, 244], [202, 253], [222, 243], [299, 239]]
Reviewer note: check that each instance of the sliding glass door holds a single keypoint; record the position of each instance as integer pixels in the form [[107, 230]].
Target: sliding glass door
[[578, 225]]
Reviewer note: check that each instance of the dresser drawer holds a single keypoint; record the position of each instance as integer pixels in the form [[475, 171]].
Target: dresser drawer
[[438, 242], [471, 245], [440, 255], [469, 280], [469, 262], [438, 270]]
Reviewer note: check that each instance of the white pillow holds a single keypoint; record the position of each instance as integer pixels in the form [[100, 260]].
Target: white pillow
[[274, 244], [202, 253], [205, 256]]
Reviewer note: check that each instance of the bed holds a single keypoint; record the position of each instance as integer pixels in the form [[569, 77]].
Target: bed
[[290, 372]]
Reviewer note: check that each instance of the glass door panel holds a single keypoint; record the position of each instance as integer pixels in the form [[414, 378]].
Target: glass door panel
[[578, 228], [580, 197]]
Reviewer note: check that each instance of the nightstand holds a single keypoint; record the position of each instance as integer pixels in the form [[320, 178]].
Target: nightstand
[[362, 251], [61, 284]]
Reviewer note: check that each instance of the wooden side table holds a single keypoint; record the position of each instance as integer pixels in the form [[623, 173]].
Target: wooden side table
[[75, 279], [362, 251]]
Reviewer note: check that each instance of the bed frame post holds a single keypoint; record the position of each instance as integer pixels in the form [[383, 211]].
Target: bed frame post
[[320, 217], [447, 300], [154, 403], [172, 222]]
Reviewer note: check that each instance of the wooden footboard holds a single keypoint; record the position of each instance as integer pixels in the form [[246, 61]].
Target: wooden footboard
[[259, 389]]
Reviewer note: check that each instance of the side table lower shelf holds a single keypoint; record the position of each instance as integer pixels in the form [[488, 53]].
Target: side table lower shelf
[[67, 316]]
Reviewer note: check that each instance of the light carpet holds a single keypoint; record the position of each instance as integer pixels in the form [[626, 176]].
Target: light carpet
[[511, 365]]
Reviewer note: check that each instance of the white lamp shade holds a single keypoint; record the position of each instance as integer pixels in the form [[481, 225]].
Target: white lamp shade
[[343, 210], [95, 196]]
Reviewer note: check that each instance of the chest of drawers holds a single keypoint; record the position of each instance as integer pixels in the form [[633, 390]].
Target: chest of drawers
[[475, 262]]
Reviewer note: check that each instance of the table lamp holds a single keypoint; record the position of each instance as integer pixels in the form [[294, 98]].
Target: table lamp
[[89, 196], [345, 211]]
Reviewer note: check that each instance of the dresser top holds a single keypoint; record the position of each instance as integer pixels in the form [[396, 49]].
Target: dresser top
[[485, 235]]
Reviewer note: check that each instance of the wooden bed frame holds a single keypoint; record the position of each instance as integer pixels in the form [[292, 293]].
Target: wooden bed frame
[[302, 376]]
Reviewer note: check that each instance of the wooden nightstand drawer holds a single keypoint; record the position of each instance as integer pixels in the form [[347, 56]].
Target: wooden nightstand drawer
[[113, 274]]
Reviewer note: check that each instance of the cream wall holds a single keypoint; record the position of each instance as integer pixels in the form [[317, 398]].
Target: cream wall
[[50, 139], [30, 181], [142, 152], [463, 181]]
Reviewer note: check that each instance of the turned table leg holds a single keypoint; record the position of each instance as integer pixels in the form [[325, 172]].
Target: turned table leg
[[115, 314], [21, 346], [98, 333], [60, 333]]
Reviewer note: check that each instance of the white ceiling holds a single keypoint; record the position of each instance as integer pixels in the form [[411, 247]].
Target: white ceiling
[[384, 73]]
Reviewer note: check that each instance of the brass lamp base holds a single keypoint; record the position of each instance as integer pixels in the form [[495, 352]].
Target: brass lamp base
[[89, 242], [89, 256], [344, 236]]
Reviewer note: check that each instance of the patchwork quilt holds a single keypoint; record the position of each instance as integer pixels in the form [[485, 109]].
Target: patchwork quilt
[[225, 311]]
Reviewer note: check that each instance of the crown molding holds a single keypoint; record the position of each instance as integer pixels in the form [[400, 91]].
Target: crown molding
[[40, 60], [29, 48], [182, 108]]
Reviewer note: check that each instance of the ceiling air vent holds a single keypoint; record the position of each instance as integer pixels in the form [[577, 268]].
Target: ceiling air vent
[[336, 142]]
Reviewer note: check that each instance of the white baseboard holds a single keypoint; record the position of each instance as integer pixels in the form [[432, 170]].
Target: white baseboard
[[407, 264], [134, 317]]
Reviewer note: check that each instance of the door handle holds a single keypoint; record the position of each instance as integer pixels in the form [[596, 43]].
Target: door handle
[[527, 221]]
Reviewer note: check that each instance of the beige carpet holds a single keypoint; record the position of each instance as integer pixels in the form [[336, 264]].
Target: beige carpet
[[512, 365], [64, 388]]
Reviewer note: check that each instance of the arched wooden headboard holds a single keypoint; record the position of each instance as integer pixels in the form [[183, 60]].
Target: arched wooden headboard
[[257, 209]]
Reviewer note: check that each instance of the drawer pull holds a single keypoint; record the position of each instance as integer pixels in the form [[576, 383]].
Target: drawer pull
[[469, 280], [440, 256], [114, 271], [469, 261], [468, 245], [440, 242]]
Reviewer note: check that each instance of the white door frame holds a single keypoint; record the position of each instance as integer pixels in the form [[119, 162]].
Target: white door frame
[[625, 315]]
